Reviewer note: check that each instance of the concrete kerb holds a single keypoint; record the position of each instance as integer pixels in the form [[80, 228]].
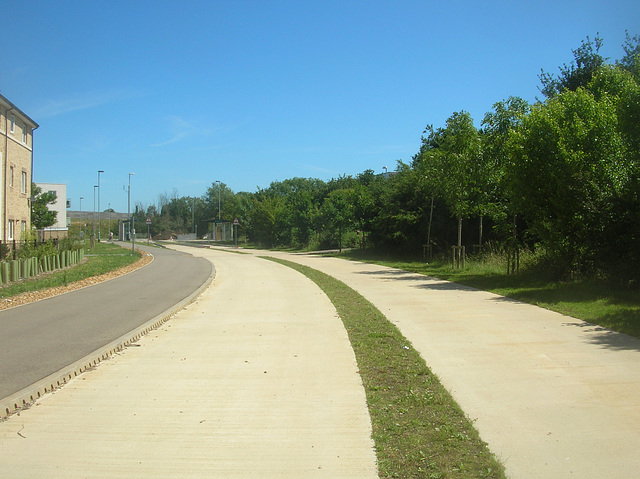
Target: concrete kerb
[[26, 397]]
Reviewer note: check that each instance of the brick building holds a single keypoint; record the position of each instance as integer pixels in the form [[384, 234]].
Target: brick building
[[16, 163]]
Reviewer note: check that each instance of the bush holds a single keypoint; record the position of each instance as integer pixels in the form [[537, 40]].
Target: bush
[[32, 249]]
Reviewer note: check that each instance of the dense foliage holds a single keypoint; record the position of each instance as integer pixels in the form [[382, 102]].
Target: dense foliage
[[561, 176]]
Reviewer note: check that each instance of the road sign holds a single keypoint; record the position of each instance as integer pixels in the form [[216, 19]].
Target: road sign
[[148, 221], [236, 222]]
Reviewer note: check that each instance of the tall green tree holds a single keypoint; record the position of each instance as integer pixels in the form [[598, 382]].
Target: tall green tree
[[620, 87], [337, 212], [568, 162], [364, 207], [457, 168], [498, 126], [41, 215], [220, 202], [586, 62], [266, 225], [631, 59]]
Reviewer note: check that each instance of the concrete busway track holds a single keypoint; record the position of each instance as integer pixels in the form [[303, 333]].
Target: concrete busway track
[[553, 396], [254, 379], [245, 383], [45, 343]]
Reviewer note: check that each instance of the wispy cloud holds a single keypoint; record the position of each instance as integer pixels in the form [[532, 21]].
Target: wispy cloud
[[179, 128], [83, 101], [319, 169]]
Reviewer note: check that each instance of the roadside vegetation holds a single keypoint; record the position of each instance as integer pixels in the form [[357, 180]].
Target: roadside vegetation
[[606, 302], [559, 176], [418, 429], [100, 259]]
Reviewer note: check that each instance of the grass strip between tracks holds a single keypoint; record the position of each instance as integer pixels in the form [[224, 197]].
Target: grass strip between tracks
[[418, 429]]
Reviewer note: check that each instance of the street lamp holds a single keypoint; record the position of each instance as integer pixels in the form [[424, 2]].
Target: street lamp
[[99, 171], [129, 203], [215, 226], [132, 224], [219, 188], [93, 217], [193, 218], [81, 220]]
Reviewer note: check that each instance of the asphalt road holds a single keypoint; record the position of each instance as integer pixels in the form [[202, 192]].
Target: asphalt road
[[40, 338]]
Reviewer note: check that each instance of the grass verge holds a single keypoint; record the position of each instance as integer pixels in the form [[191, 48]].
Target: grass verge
[[604, 303], [101, 259], [418, 429]]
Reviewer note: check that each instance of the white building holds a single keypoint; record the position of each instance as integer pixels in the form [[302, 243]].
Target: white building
[[60, 228]]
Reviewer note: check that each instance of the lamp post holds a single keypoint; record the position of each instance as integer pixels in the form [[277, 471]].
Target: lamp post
[[132, 228], [81, 228], [93, 217], [193, 218], [129, 203], [99, 171], [219, 188], [215, 225]]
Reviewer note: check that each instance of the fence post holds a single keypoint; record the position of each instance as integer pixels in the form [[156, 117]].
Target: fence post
[[458, 256], [15, 270]]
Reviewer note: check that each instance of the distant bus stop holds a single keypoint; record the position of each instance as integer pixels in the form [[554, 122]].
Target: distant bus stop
[[222, 230], [125, 230]]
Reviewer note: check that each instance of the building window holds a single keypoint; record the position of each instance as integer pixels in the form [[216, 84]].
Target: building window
[[13, 123], [24, 134], [11, 176], [23, 228], [23, 185], [10, 232]]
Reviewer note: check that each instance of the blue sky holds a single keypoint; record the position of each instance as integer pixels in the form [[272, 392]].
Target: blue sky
[[248, 92]]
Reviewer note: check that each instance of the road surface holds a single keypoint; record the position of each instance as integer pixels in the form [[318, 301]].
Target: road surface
[[41, 338]]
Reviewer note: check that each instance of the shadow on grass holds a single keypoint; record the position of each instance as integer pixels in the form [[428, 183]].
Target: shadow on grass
[[607, 338]]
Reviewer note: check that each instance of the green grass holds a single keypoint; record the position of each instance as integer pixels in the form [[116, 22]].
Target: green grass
[[418, 429], [101, 259], [600, 302]]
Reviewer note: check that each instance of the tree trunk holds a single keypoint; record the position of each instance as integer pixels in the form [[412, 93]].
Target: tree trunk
[[430, 220]]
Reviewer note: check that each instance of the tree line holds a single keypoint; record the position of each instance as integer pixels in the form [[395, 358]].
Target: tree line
[[561, 176]]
